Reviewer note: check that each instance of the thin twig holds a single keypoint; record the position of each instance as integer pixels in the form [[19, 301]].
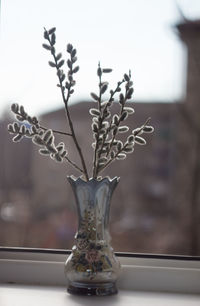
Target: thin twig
[[74, 165], [55, 131]]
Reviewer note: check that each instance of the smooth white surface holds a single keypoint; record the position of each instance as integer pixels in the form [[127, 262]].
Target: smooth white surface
[[158, 275], [23, 295]]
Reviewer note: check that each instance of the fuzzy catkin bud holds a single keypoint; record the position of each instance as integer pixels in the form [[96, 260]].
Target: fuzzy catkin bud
[[33, 129], [22, 111], [95, 127], [52, 30], [22, 129], [47, 135], [99, 72], [121, 156], [94, 96], [94, 112], [140, 140], [10, 128], [115, 119], [104, 88], [69, 48], [124, 116], [103, 160], [126, 77], [107, 114], [107, 70], [123, 129], [16, 127], [128, 149], [64, 153], [28, 133], [44, 152], [20, 118], [14, 107], [51, 148], [148, 129], [38, 140], [17, 138], [130, 138], [129, 110], [58, 56], [58, 158], [137, 131], [129, 94], [119, 145], [115, 131], [112, 154]]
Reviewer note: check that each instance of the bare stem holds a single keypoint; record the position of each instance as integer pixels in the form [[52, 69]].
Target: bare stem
[[84, 171], [74, 165], [56, 131]]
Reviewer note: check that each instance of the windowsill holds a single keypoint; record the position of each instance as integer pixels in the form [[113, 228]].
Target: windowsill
[[24, 295], [144, 279]]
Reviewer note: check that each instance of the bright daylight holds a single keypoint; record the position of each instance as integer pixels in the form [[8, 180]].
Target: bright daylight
[[107, 92]]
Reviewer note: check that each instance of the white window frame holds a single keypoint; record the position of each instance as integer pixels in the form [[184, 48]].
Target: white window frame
[[160, 273]]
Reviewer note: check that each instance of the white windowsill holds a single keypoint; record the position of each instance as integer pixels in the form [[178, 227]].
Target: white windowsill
[[142, 281], [23, 295]]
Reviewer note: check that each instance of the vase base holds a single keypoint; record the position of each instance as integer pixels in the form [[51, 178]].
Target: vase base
[[97, 289]]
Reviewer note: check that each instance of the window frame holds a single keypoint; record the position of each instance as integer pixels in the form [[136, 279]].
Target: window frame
[[149, 272]]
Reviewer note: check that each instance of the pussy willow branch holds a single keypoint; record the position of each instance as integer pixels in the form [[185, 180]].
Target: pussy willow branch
[[117, 125], [101, 119], [45, 129], [112, 159], [95, 166], [105, 109], [100, 124], [65, 100], [100, 80], [119, 121]]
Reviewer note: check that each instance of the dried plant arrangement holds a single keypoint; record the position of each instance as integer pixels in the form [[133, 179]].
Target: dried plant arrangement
[[92, 267], [106, 127]]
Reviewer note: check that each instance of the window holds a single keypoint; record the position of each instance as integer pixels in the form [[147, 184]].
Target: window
[[155, 207]]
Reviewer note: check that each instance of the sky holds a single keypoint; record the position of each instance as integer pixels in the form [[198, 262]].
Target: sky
[[131, 34]]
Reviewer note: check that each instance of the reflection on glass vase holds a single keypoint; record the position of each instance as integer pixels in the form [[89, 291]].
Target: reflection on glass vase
[[92, 268]]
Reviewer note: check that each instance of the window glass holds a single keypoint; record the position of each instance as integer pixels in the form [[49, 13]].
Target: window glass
[[155, 208]]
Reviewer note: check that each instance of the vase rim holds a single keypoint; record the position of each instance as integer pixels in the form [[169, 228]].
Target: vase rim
[[106, 178]]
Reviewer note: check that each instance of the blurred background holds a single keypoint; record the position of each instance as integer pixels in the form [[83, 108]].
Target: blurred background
[[156, 206]]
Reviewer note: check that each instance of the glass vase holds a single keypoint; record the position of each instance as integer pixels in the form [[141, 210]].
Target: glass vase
[[92, 268]]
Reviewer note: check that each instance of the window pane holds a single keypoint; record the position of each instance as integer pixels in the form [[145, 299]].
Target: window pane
[[155, 207]]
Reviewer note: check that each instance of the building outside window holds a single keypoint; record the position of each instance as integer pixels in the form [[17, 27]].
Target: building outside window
[[155, 208]]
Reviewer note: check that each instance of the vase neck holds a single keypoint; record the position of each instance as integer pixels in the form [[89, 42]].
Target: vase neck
[[93, 205]]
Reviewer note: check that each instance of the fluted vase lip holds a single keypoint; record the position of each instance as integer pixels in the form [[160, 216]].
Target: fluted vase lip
[[80, 179], [93, 182]]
